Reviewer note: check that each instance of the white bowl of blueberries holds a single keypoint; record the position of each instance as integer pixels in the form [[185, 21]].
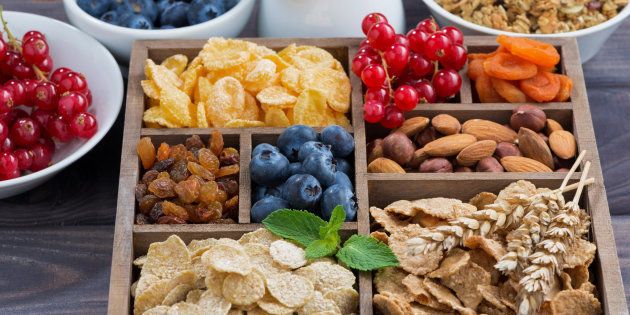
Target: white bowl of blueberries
[[118, 23]]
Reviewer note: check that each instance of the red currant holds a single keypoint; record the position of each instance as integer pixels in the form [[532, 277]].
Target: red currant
[[4, 131], [22, 71], [6, 100], [7, 145], [12, 115], [41, 117], [70, 104], [84, 125], [41, 157], [456, 57], [3, 49], [17, 90], [371, 19], [29, 87], [373, 76], [381, 36], [419, 65], [48, 143], [454, 34], [368, 52], [401, 39], [8, 62], [428, 25], [58, 74], [45, 96], [393, 117], [34, 50], [59, 128], [88, 96], [405, 98], [72, 81], [447, 83], [46, 65], [426, 92], [417, 39], [8, 164], [359, 62], [25, 132], [364, 43], [25, 159], [373, 111], [380, 95], [397, 57], [436, 46], [34, 34]]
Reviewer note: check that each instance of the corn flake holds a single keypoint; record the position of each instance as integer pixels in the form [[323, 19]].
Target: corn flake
[[289, 289], [290, 79], [347, 299], [310, 109], [326, 276], [176, 105], [220, 53], [276, 96], [226, 101], [176, 63], [160, 75], [243, 290], [333, 84], [226, 258], [243, 123], [150, 89], [318, 303], [287, 255]]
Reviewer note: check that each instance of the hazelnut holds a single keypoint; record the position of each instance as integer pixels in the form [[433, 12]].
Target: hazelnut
[[426, 136], [489, 164], [544, 137], [528, 116], [436, 165], [398, 147], [374, 150], [418, 157], [506, 149], [463, 169]]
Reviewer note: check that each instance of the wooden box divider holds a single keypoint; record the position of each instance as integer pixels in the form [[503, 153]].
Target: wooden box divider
[[132, 240]]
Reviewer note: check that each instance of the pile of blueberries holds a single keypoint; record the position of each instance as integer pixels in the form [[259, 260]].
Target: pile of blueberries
[[155, 14], [306, 171]]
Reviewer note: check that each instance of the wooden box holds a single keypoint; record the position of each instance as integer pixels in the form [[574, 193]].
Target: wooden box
[[132, 240]]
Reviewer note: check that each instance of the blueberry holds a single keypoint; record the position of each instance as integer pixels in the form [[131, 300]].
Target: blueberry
[[175, 14], [309, 147], [269, 168], [341, 141], [262, 208], [344, 166], [322, 167], [292, 138], [204, 10], [111, 17], [124, 11], [295, 168], [137, 21], [95, 8], [264, 146], [230, 4], [261, 192], [147, 8], [163, 4], [343, 180], [302, 191], [338, 195], [167, 27]]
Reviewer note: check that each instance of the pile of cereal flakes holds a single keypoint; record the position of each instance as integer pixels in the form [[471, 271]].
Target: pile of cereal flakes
[[535, 16]]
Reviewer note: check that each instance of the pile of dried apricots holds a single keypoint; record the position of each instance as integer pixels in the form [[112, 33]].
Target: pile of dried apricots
[[521, 70]]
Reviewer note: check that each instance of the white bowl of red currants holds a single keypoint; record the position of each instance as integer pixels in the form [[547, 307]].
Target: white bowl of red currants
[[60, 93], [118, 23]]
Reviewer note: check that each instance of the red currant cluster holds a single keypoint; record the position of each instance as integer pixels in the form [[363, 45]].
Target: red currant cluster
[[37, 106], [400, 71]]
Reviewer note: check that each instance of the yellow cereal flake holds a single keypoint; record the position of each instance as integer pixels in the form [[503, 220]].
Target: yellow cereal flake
[[226, 258], [176, 63], [333, 84], [243, 290], [310, 109], [175, 105]]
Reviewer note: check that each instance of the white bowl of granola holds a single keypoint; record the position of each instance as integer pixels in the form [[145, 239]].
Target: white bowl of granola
[[590, 39]]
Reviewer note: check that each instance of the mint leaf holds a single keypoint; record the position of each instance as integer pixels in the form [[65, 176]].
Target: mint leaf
[[297, 225], [335, 223], [329, 236], [322, 248], [365, 253]]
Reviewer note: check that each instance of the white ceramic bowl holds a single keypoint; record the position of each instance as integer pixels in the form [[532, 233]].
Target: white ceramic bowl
[[590, 40], [71, 48], [119, 40]]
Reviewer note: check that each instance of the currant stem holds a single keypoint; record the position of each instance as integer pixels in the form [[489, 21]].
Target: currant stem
[[436, 67], [39, 73], [387, 77], [12, 40]]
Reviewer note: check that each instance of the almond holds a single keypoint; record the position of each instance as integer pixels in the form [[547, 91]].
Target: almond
[[563, 144], [418, 157], [475, 152], [533, 146], [446, 124], [552, 126], [488, 130], [449, 145], [523, 164], [384, 165], [412, 126]]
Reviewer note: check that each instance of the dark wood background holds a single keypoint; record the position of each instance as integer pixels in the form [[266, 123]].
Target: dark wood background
[[56, 240]]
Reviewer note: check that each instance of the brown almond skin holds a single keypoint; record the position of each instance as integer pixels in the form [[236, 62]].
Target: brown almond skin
[[426, 136], [374, 150], [446, 124], [475, 152], [506, 149], [488, 130], [489, 165], [436, 165], [413, 126], [398, 147], [449, 145], [523, 164], [528, 116], [534, 147], [384, 165], [563, 144], [552, 126]]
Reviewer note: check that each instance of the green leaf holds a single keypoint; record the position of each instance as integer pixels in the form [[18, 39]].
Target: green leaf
[[329, 236], [365, 253], [335, 223], [297, 225], [322, 248]]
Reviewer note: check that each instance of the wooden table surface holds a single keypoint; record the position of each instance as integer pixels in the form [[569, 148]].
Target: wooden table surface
[[55, 252]]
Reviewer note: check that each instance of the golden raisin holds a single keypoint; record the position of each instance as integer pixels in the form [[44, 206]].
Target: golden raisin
[[146, 152], [179, 171], [215, 207], [147, 203], [207, 214], [187, 191], [169, 219], [194, 142], [200, 171], [209, 192], [221, 196], [162, 187], [178, 152], [208, 160], [231, 204], [216, 142], [164, 151], [177, 211], [229, 156], [164, 175], [228, 170]]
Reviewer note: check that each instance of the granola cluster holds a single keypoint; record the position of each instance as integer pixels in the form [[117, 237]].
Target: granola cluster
[[535, 16]]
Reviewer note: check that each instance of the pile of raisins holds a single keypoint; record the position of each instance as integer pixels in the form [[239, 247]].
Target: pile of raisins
[[187, 183]]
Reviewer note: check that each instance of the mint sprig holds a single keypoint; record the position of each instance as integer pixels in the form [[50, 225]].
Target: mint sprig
[[322, 239]]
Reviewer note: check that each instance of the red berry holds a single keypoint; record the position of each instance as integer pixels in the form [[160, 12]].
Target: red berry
[[401, 39], [12, 175], [88, 96], [373, 111], [25, 132], [25, 159], [58, 74], [3, 49], [456, 58], [371, 19], [30, 34], [59, 128], [42, 117], [393, 117], [417, 39], [17, 90], [8, 62], [428, 25], [447, 83], [406, 78], [72, 81], [8, 163], [436, 46], [368, 51], [34, 50], [397, 57], [84, 125], [359, 62], [380, 95], [12, 115], [48, 143], [4, 131], [7, 145], [46, 65], [373, 76], [41, 157], [70, 104], [454, 34], [426, 92], [364, 43], [29, 87], [405, 98], [6, 100], [381, 36], [22, 71], [419, 65], [45, 96]]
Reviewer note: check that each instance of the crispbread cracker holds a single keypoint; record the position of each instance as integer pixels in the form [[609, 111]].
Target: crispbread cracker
[[347, 299], [443, 208], [416, 264], [390, 279], [388, 221], [490, 246]]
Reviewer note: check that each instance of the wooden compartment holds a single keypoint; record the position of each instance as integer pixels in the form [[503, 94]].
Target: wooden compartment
[[132, 240]]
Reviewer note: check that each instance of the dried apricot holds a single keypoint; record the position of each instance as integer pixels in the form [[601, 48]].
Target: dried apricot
[[475, 68], [228, 170], [486, 92], [475, 56], [566, 85], [163, 152], [508, 67], [508, 90], [175, 210], [216, 142], [146, 152], [531, 50], [543, 87], [200, 171]]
